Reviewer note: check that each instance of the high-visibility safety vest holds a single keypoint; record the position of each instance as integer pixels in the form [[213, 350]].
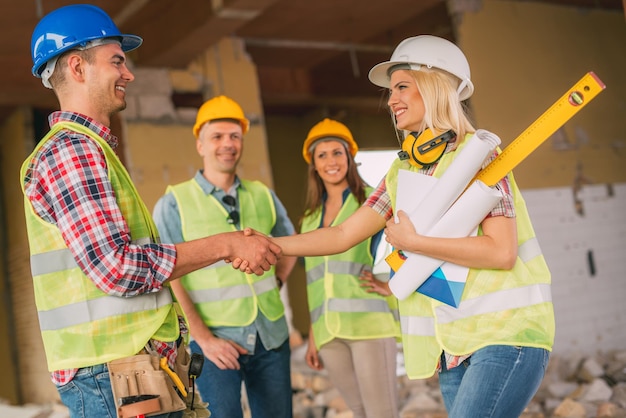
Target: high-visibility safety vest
[[498, 307], [339, 306], [222, 295], [80, 324]]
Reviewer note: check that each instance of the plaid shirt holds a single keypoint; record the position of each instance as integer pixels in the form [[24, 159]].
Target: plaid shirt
[[380, 201], [68, 185]]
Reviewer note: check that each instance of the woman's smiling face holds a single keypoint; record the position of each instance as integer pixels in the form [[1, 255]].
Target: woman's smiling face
[[405, 101], [331, 161]]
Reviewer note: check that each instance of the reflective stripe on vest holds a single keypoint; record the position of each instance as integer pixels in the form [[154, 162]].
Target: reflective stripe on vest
[[529, 250], [495, 302], [62, 259], [216, 265], [490, 303], [335, 267], [101, 308], [352, 305], [422, 325], [233, 292]]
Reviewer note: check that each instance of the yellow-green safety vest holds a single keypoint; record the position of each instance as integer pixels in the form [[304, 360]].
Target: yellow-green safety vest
[[339, 306], [498, 307], [80, 324], [222, 295]]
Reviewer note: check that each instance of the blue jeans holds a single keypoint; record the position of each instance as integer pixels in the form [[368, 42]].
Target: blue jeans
[[267, 378], [497, 381], [89, 395]]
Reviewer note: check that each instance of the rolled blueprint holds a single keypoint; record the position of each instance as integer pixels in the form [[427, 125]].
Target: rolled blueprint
[[453, 181], [459, 221]]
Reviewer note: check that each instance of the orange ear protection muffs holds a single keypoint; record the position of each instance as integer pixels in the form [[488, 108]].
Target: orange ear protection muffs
[[424, 149]]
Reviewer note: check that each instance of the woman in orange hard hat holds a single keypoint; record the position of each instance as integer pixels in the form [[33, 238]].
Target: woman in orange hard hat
[[353, 329]]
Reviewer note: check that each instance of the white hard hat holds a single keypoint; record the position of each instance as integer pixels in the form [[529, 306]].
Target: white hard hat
[[430, 51]]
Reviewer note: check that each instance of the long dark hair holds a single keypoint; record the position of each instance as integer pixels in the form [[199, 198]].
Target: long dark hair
[[316, 189]]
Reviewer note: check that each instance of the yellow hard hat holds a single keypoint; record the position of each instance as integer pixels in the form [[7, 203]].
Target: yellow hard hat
[[220, 107], [328, 128]]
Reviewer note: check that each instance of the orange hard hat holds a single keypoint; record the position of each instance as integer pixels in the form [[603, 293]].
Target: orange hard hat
[[220, 107], [328, 129]]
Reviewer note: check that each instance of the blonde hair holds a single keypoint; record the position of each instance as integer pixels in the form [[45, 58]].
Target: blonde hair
[[443, 107]]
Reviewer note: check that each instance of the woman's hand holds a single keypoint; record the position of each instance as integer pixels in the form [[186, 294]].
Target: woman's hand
[[373, 285], [495, 248], [401, 235], [311, 356]]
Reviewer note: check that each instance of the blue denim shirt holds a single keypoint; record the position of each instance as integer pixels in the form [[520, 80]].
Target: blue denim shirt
[[167, 219]]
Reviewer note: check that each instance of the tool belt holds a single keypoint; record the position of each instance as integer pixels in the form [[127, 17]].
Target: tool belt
[[142, 387]]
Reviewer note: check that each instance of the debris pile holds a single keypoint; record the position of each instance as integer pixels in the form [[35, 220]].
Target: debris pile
[[575, 386]]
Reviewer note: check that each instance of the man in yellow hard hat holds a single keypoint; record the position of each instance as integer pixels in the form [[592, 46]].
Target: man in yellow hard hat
[[236, 320]]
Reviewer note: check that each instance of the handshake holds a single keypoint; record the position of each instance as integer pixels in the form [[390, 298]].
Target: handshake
[[253, 252]]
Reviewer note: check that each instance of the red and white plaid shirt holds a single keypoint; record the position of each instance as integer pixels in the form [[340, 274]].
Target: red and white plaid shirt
[[68, 185], [380, 201]]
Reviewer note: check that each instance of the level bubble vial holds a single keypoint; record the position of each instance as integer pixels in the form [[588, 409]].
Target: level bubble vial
[[576, 98]]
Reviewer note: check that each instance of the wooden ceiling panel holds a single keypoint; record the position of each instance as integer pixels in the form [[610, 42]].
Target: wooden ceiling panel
[[348, 21], [339, 68], [176, 32], [308, 52]]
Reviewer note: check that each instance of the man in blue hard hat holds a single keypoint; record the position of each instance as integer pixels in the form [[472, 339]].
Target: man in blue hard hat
[[100, 274]]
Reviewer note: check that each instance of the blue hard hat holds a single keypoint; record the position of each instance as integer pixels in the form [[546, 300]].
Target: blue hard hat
[[72, 27]]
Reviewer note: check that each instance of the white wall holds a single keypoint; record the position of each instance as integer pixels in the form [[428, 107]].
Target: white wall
[[590, 309], [373, 165]]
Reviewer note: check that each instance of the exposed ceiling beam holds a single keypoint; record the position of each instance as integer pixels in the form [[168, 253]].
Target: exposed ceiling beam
[[210, 21], [333, 46]]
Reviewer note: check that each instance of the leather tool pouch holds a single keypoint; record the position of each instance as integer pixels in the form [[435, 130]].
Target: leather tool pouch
[[135, 378]]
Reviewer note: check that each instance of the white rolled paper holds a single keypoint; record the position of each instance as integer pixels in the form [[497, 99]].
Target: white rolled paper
[[453, 181], [459, 221]]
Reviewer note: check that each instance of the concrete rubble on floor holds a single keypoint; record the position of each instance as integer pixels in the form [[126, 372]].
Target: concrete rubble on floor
[[575, 386]]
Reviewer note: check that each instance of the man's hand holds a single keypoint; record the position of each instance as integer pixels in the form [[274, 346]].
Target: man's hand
[[223, 353], [254, 252]]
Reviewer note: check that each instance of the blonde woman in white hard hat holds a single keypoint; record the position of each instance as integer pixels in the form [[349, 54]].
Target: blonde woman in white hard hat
[[353, 331], [491, 351]]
